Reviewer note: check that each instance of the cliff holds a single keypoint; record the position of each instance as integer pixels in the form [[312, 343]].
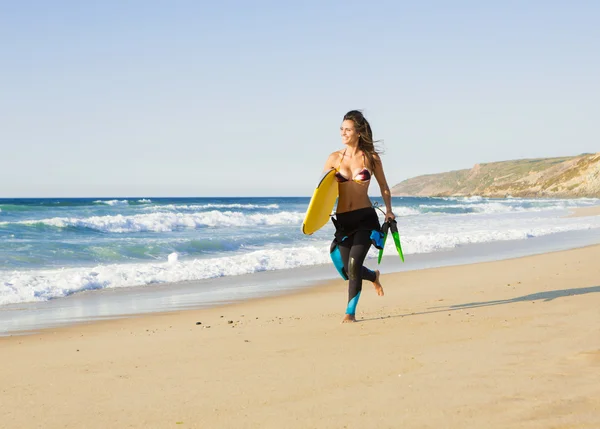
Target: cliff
[[565, 177]]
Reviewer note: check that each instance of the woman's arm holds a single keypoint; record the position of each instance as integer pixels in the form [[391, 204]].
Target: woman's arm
[[330, 163], [383, 186]]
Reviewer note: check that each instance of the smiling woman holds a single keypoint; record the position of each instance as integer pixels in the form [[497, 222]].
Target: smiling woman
[[357, 224]]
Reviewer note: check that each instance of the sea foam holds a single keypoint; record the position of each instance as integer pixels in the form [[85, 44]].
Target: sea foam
[[165, 222]]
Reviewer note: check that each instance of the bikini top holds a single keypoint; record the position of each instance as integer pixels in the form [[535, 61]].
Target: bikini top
[[362, 177]]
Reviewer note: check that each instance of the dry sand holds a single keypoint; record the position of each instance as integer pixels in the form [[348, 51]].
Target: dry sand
[[585, 211], [508, 344]]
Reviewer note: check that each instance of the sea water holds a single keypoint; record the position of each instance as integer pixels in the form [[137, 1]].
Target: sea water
[[55, 248]]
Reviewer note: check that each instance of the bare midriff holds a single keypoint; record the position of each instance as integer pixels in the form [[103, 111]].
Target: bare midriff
[[352, 196]]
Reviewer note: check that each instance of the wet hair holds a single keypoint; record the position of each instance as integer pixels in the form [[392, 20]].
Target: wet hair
[[365, 139]]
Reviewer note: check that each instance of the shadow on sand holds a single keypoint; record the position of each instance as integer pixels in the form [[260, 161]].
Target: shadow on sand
[[540, 296]]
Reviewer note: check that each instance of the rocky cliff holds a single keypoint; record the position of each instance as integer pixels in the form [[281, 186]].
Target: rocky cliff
[[566, 177]]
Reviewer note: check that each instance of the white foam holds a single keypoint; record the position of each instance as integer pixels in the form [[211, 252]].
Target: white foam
[[427, 243], [165, 222], [405, 211], [112, 202], [497, 206], [473, 199], [214, 206], [17, 287]]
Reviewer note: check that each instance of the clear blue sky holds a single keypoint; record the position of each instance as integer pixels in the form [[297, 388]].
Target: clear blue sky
[[236, 98]]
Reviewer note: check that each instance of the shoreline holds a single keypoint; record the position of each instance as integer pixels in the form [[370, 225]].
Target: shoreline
[[89, 306], [494, 344]]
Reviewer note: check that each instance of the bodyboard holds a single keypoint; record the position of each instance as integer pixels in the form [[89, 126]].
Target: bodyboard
[[321, 204]]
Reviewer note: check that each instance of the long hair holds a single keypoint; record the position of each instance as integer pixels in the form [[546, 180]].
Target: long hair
[[365, 140]]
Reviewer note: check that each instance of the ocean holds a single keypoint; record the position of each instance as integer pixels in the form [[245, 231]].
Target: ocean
[[55, 248]]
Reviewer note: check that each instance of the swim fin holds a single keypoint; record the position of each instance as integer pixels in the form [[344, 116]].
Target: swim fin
[[396, 235], [393, 226], [384, 230]]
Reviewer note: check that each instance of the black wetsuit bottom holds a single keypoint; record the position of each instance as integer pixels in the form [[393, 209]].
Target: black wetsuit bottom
[[354, 248]]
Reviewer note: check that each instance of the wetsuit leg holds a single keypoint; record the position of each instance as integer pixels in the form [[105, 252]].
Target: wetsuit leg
[[353, 250]]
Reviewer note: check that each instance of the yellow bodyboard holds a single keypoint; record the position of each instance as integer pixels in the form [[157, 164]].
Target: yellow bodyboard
[[321, 204]]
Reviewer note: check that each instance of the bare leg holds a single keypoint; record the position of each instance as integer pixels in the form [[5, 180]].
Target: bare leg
[[377, 284]]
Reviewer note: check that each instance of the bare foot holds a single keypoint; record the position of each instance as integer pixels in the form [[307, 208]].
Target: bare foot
[[349, 318], [377, 284]]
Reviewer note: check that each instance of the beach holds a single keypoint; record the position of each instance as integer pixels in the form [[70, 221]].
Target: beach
[[504, 344], [189, 193], [585, 211]]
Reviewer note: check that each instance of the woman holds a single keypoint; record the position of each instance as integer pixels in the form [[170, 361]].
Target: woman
[[356, 218]]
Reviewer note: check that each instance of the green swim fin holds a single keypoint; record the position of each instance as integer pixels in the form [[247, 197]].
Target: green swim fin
[[396, 235], [384, 229]]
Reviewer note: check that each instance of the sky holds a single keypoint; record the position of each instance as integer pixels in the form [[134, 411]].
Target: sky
[[245, 98]]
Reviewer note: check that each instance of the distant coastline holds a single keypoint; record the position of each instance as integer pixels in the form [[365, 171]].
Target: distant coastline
[[564, 177]]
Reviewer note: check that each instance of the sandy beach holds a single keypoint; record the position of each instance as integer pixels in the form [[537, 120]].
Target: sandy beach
[[585, 211], [175, 178], [505, 344]]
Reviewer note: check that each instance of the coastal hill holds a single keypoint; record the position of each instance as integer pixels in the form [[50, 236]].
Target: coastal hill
[[565, 177]]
